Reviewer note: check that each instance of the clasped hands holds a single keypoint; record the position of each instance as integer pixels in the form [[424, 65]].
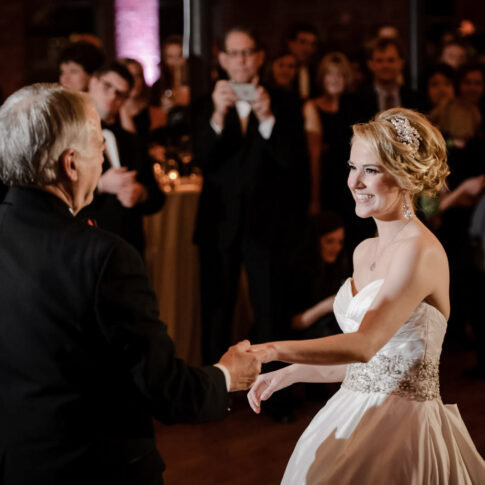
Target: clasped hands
[[122, 183], [243, 361]]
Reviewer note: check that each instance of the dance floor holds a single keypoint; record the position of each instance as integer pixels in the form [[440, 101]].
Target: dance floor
[[251, 449]]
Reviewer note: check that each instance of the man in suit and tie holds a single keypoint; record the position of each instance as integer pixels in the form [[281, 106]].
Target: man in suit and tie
[[127, 189], [84, 361], [250, 145], [386, 63]]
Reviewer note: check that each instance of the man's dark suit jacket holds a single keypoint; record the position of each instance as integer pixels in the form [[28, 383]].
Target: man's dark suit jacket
[[367, 102], [84, 361], [108, 211], [3, 191], [253, 188]]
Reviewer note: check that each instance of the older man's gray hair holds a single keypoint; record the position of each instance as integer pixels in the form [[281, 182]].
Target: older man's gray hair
[[37, 123]]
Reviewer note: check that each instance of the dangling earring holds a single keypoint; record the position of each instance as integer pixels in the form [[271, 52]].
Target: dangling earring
[[406, 211]]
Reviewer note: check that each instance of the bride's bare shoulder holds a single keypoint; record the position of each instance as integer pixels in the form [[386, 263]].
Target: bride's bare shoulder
[[363, 250], [422, 247], [427, 242]]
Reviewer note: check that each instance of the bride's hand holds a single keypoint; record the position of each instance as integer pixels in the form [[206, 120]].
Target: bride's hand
[[266, 385], [266, 352]]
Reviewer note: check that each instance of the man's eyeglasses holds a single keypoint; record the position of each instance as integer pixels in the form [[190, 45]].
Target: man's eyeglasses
[[233, 53], [108, 87]]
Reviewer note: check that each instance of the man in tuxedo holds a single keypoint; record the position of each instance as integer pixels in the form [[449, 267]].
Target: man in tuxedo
[[386, 63], [84, 361], [250, 145], [3, 191], [127, 189], [302, 43]]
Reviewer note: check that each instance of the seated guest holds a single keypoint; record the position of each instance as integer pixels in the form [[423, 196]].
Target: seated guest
[[282, 71], [127, 189], [77, 64], [85, 362], [333, 268], [135, 114], [386, 63]]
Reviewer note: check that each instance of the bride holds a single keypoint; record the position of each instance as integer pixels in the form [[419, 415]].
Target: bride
[[387, 423]]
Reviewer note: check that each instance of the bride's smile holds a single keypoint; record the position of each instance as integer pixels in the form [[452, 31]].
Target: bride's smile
[[375, 191]]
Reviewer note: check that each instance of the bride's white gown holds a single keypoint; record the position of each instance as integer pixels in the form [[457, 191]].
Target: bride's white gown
[[387, 424]]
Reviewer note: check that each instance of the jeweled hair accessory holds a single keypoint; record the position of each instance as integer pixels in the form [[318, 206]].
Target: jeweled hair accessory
[[405, 132]]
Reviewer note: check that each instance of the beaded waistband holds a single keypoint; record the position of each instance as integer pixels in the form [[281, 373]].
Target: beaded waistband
[[413, 379]]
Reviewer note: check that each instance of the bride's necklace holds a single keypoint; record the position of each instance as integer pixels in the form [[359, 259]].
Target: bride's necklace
[[372, 267]]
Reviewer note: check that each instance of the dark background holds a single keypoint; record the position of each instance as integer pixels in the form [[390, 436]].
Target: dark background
[[32, 32]]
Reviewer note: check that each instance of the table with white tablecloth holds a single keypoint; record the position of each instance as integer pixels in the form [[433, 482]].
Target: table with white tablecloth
[[173, 267], [172, 261]]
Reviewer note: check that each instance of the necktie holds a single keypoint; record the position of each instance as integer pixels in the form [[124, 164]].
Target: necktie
[[389, 101]]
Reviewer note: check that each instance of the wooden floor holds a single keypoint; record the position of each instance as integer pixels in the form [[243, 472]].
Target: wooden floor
[[250, 449]]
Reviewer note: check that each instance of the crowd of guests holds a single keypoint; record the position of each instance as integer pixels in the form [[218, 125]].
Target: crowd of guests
[[274, 162]]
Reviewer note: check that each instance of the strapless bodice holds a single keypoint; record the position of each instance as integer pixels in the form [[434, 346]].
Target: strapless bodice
[[408, 363]]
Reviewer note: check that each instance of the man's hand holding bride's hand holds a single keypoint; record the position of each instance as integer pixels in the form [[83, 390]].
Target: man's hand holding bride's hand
[[243, 365], [267, 384]]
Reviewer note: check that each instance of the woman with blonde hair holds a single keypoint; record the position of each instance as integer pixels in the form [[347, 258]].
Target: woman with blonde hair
[[387, 423], [327, 121]]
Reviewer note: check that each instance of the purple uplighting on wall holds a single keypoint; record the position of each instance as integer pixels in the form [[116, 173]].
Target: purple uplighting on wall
[[137, 34]]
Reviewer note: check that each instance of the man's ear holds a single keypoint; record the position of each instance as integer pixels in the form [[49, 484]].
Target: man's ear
[[68, 164]]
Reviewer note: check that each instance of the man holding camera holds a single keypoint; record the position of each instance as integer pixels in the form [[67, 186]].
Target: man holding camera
[[250, 145]]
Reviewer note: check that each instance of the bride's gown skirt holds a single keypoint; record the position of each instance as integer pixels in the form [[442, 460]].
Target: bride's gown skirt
[[387, 424]]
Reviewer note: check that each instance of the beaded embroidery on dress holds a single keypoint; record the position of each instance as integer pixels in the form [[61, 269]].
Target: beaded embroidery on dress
[[387, 423]]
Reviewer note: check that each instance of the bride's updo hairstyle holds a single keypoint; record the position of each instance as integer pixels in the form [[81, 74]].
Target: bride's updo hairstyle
[[409, 147]]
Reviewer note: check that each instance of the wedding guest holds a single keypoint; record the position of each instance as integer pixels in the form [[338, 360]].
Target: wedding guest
[[282, 71], [459, 119], [86, 363], [136, 115], [330, 271], [251, 149], [327, 125], [387, 423], [477, 233], [171, 91], [386, 63], [302, 42], [126, 190], [327, 120], [77, 64], [439, 85]]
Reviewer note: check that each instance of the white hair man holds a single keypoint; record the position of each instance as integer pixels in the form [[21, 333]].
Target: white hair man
[[85, 362]]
